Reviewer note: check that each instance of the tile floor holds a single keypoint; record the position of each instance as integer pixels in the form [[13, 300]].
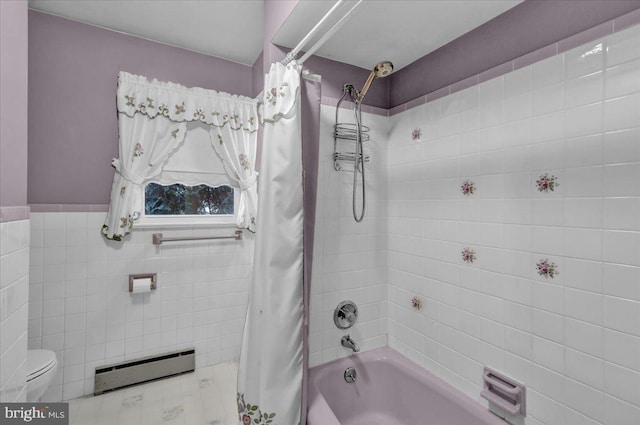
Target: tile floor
[[204, 397]]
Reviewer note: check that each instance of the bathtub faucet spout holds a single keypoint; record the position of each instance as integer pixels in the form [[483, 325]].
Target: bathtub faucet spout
[[346, 341]]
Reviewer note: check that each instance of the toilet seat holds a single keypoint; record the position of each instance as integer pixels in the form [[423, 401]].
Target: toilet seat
[[39, 362]]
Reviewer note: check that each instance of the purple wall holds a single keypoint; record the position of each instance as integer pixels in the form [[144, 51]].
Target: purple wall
[[257, 75], [527, 27], [13, 103], [73, 133], [275, 14]]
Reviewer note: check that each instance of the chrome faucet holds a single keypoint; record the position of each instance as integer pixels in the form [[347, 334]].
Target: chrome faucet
[[346, 341]]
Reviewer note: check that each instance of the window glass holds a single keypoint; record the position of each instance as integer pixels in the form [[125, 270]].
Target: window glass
[[179, 199]]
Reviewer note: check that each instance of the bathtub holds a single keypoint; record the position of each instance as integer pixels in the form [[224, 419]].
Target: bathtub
[[389, 390]]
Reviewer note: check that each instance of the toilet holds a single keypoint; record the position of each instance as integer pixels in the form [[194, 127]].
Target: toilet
[[41, 368]]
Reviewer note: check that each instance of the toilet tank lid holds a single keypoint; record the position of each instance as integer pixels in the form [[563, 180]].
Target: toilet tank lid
[[38, 360]]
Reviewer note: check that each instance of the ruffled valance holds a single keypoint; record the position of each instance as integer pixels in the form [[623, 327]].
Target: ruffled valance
[[179, 103]]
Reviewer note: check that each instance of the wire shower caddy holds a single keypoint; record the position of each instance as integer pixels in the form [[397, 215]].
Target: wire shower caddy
[[348, 133]]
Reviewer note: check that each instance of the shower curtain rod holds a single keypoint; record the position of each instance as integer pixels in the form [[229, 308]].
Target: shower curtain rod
[[329, 33], [292, 54]]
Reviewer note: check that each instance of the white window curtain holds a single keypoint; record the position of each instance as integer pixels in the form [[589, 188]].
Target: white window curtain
[[237, 151], [270, 370], [152, 121], [144, 147]]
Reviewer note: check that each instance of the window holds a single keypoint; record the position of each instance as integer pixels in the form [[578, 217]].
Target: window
[[179, 199], [193, 188]]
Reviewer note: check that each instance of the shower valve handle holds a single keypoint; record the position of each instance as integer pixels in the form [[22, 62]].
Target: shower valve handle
[[345, 314]]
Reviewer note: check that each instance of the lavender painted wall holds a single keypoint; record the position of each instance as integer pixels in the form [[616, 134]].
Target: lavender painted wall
[[525, 28], [275, 14], [13, 103], [73, 70], [257, 75]]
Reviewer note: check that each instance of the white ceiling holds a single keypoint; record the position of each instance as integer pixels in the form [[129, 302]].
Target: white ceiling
[[229, 29], [397, 30]]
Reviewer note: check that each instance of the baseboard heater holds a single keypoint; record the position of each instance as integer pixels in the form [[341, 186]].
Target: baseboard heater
[[125, 374]]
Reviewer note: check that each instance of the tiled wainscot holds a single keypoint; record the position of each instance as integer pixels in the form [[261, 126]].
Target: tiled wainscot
[[80, 306]]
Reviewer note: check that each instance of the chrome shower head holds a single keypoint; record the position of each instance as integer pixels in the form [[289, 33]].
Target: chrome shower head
[[381, 70]]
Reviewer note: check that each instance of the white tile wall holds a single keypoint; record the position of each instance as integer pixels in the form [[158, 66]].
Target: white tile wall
[[80, 306], [349, 260], [14, 294], [574, 339]]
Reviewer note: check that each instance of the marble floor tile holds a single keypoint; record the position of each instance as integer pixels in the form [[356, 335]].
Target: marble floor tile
[[205, 397]]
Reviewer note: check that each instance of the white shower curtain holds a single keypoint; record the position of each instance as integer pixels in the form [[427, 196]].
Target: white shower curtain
[[270, 372]]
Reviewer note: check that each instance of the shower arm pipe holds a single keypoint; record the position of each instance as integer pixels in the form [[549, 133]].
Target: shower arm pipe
[[329, 33], [360, 94], [292, 54]]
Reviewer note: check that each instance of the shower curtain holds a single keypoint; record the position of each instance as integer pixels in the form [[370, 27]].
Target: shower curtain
[[271, 359]]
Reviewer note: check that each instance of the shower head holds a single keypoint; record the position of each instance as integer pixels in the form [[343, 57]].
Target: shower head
[[381, 70]]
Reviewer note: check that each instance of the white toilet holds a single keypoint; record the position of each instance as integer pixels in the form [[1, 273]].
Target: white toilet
[[41, 368]]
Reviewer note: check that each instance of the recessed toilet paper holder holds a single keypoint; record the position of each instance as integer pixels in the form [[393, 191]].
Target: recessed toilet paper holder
[[504, 392], [151, 276]]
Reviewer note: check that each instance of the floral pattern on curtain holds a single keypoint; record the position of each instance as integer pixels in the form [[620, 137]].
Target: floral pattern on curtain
[[152, 123]]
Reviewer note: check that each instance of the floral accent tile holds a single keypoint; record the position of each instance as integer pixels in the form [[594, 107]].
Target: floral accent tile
[[468, 187], [468, 255], [547, 183], [171, 414], [416, 303], [132, 401], [416, 134], [547, 268]]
